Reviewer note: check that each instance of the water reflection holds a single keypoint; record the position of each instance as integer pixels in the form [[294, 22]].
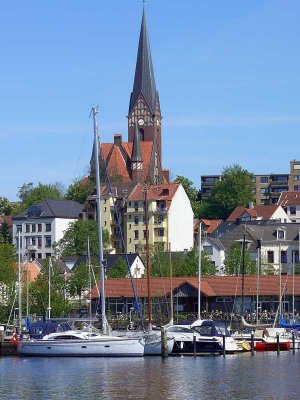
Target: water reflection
[[264, 376]]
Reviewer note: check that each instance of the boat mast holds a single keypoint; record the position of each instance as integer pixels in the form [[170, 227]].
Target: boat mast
[[199, 270], [148, 258], [49, 289], [19, 284], [171, 287], [96, 156]]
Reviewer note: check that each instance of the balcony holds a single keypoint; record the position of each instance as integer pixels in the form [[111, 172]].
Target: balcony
[[161, 210]]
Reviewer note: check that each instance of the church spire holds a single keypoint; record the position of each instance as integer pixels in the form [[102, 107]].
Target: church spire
[[136, 148], [144, 81]]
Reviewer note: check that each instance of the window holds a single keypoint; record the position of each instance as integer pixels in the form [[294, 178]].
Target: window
[[116, 244], [33, 241], [39, 227], [264, 179], [19, 228], [129, 204], [116, 306], [48, 227], [33, 227], [160, 218], [136, 206], [208, 250], [280, 178], [280, 235], [17, 242], [48, 255], [283, 256], [136, 220], [39, 242], [142, 135], [161, 232], [136, 235], [295, 256], [39, 255], [297, 187], [264, 190], [47, 241], [129, 216], [293, 210], [27, 228], [296, 177], [270, 257], [27, 241]]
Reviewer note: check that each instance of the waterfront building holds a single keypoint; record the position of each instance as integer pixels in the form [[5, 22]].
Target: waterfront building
[[43, 224]]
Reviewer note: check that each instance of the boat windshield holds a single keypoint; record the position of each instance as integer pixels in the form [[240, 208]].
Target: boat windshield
[[214, 329]]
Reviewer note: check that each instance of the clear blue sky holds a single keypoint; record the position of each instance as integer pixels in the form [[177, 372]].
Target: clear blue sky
[[227, 74]]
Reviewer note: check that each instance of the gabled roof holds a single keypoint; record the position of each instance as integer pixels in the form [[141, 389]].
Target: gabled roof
[[53, 209], [210, 224], [289, 199], [164, 191], [144, 81], [211, 286], [263, 212]]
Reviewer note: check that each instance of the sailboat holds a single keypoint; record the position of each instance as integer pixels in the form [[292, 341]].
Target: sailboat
[[79, 343]]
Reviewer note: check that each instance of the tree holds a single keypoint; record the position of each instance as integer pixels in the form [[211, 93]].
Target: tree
[[192, 194], [5, 233], [38, 291], [191, 264], [80, 189], [119, 269], [74, 241], [233, 261], [5, 206], [8, 278], [30, 194], [79, 281], [234, 189]]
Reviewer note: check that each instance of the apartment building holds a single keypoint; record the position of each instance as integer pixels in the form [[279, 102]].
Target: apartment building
[[266, 187]]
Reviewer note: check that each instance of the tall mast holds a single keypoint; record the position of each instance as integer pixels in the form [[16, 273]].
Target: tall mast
[[199, 270], [19, 284], [148, 259], [102, 289]]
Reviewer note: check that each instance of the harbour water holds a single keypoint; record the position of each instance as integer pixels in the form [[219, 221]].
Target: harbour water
[[262, 376]]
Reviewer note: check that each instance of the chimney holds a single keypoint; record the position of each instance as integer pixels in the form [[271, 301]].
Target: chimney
[[117, 139], [251, 205]]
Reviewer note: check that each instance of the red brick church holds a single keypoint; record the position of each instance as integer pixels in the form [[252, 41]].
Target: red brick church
[[140, 159]]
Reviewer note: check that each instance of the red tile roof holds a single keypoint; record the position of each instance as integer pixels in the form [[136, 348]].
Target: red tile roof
[[211, 286], [264, 212], [210, 224], [164, 191], [289, 199], [7, 219]]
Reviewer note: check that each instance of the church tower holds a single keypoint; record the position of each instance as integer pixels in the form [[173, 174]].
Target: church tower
[[144, 108]]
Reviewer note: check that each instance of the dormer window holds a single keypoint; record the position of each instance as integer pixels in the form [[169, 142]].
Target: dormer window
[[281, 234]]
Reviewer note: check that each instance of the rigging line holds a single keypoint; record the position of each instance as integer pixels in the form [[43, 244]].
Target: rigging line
[[122, 239]]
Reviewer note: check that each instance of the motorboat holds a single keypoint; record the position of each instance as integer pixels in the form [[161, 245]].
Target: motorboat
[[203, 337]]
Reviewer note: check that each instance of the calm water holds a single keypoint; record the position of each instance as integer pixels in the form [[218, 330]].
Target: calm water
[[263, 376]]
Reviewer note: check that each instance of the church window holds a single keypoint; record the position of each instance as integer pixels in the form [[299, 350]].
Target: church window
[[142, 135]]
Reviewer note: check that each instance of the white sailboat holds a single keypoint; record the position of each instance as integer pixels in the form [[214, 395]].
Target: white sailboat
[[80, 343]]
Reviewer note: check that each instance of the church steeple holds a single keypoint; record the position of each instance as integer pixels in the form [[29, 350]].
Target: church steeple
[[144, 108], [144, 81]]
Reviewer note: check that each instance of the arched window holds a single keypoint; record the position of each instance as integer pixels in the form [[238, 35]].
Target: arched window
[[142, 134]]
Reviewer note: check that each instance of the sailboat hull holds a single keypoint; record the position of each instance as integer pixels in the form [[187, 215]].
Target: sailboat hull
[[83, 348]]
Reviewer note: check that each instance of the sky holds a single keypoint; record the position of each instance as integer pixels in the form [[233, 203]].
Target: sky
[[227, 73]]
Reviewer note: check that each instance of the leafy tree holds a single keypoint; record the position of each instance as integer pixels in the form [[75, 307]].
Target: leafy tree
[[233, 261], [5, 206], [74, 241], [233, 190], [80, 189], [38, 290], [79, 281], [192, 194], [191, 264], [8, 278], [119, 269], [30, 194], [5, 233]]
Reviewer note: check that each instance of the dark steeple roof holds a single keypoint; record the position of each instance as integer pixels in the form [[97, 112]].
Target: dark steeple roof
[[136, 148], [144, 81]]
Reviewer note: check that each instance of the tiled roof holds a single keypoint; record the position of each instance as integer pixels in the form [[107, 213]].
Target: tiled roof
[[7, 219], [211, 286], [164, 191], [264, 212], [55, 209], [289, 199], [210, 224]]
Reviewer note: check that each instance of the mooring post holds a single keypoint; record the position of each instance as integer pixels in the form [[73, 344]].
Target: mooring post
[[164, 342], [194, 344], [252, 343], [293, 341], [278, 343], [224, 345]]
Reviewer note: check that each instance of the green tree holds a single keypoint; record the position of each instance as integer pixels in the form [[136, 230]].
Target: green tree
[[234, 189], [191, 264], [119, 269], [30, 194], [8, 278], [5, 206], [5, 233], [74, 241], [38, 290], [192, 194], [234, 259], [79, 281], [80, 189]]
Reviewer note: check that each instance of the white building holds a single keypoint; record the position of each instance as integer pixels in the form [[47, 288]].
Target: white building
[[290, 202], [43, 224]]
